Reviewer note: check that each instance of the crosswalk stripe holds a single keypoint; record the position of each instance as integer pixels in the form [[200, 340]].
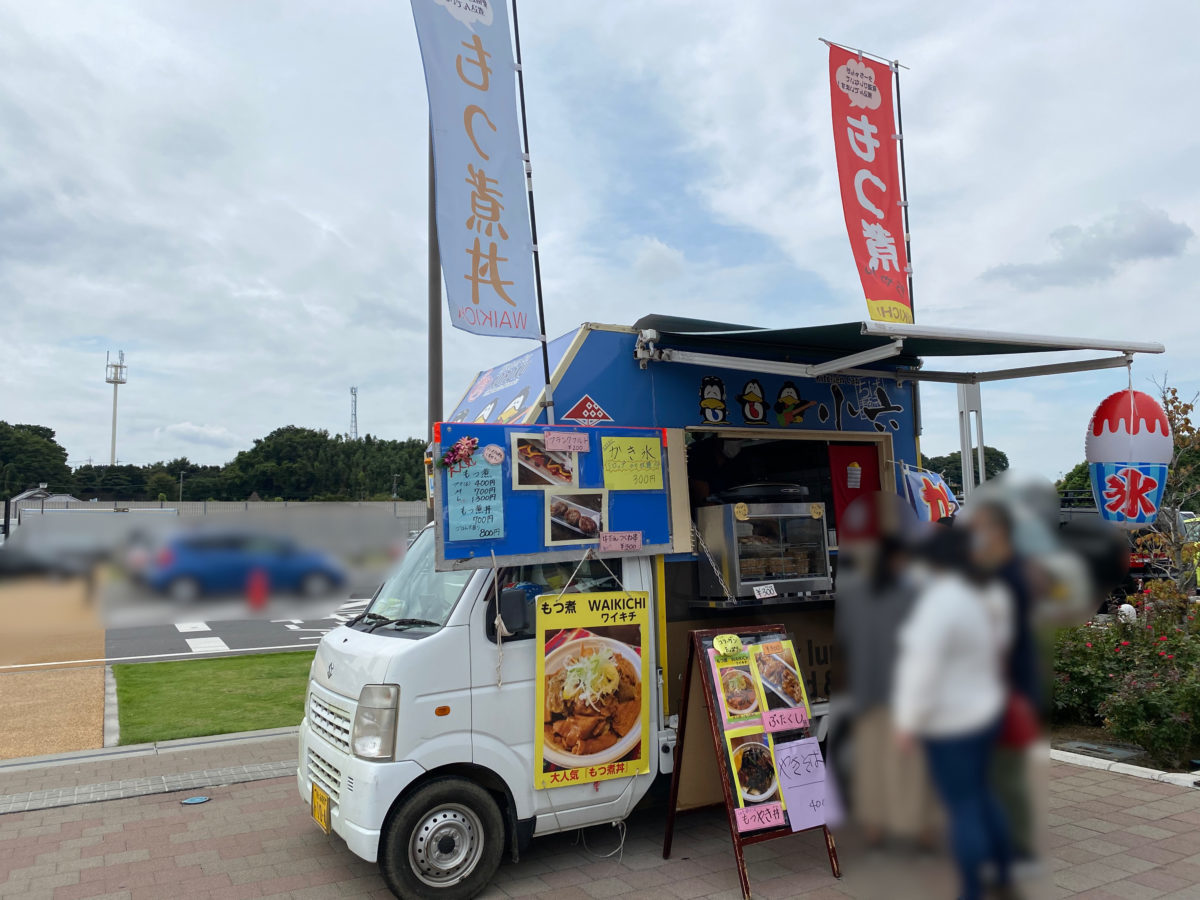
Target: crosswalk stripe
[[192, 626], [206, 644]]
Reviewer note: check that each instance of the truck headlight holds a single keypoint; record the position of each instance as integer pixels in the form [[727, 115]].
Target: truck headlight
[[374, 733]]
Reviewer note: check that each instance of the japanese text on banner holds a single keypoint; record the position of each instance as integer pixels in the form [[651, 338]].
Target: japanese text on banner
[[863, 130], [482, 212]]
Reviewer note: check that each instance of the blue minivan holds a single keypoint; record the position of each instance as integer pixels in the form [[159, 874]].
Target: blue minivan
[[189, 566]]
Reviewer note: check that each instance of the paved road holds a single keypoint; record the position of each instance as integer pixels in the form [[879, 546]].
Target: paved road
[[1110, 836], [206, 638]]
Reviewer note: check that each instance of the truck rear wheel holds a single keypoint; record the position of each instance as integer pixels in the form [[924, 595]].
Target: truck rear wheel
[[444, 841]]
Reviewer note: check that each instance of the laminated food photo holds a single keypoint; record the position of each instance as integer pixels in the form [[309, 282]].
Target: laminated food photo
[[534, 468], [576, 518]]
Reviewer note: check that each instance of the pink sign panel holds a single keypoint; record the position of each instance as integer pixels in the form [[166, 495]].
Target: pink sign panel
[[785, 719], [620, 541], [759, 816], [571, 441]]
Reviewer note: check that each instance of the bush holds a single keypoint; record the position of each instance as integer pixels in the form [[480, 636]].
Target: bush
[[1090, 661], [1140, 679], [1157, 711], [1083, 674]]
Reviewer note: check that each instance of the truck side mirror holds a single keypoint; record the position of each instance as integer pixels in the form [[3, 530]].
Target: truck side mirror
[[514, 610]]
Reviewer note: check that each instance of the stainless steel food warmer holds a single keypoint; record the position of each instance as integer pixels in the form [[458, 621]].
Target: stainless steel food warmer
[[766, 552]]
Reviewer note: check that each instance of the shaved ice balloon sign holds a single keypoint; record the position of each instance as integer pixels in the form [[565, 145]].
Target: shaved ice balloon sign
[[1129, 446]]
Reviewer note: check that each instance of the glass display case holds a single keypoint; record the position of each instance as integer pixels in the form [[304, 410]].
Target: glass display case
[[766, 552]]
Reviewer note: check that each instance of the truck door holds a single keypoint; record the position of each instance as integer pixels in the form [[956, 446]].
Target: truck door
[[503, 714]]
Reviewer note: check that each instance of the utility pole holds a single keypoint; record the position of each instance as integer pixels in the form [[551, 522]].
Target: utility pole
[[181, 485], [394, 477]]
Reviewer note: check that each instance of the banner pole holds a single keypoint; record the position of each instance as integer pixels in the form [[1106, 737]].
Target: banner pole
[[548, 403], [435, 302], [895, 66]]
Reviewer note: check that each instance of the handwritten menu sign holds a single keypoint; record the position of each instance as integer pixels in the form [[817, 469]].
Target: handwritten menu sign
[[571, 441], [810, 799], [759, 720], [475, 502], [620, 541], [632, 463]]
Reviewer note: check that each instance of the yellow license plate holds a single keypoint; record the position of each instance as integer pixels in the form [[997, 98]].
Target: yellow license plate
[[320, 808]]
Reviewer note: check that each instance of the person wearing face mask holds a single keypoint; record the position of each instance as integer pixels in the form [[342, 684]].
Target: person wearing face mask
[[992, 528], [949, 698]]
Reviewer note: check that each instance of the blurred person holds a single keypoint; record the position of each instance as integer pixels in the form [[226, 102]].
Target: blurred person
[[890, 792], [992, 531], [950, 695]]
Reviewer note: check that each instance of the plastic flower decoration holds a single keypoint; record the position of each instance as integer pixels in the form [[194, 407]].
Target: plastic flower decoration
[[460, 453]]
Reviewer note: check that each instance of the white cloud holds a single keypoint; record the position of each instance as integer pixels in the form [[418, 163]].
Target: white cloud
[[235, 195], [208, 435], [1084, 256], [655, 262]]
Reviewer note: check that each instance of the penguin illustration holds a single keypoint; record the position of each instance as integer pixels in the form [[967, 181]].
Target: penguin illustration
[[789, 407], [712, 400], [515, 408], [754, 407], [486, 412]]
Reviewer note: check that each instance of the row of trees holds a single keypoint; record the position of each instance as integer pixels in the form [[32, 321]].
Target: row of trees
[[290, 463]]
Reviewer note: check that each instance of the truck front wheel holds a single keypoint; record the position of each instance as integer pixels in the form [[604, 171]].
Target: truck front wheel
[[444, 841]]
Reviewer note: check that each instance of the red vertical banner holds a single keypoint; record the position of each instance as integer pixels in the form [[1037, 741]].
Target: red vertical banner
[[864, 125]]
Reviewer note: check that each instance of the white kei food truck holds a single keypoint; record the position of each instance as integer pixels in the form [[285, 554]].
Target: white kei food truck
[[418, 746]]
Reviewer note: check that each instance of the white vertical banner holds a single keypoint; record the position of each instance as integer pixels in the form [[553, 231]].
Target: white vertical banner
[[482, 212]]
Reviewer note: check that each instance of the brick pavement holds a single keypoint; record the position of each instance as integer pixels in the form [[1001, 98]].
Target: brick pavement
[[1110, 836]]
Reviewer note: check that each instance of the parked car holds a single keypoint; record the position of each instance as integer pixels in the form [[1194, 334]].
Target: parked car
[[189, 566]]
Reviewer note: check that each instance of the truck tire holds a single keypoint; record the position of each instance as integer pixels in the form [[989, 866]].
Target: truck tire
[[444, 841]]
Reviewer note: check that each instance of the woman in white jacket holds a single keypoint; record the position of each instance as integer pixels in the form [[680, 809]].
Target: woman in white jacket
[[950, 694]]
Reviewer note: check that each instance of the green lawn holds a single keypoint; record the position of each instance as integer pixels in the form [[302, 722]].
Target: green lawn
[[168, 700]]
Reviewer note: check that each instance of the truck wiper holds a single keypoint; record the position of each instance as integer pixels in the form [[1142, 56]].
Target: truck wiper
[[400, 624], [367, 616]]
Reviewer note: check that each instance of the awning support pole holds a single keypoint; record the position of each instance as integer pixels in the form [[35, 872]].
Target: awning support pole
[[969, 401]]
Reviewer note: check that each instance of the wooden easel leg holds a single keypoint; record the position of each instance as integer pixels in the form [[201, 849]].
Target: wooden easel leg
[[743, 875], [831, 848], [683, 710]]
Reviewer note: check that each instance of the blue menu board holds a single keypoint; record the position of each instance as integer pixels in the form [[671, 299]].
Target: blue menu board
[[529, 493], [475, 503]]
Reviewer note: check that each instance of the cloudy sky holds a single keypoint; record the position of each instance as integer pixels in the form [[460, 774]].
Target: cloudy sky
[[234, 194]]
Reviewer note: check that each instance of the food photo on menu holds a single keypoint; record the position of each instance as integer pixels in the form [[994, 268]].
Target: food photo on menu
[[575, 518], [782, 686], [593, 697], [536, 468], [752, 760]]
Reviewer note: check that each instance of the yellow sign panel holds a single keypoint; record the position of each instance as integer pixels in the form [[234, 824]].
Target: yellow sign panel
[[632, 463], [592, 688]]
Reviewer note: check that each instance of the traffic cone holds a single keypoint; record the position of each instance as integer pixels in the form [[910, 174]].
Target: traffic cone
[[257, 590]]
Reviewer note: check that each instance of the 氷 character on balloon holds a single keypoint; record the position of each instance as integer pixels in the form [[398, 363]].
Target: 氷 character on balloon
[[1129, 446]]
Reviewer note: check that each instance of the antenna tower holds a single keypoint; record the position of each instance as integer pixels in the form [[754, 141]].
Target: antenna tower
[[114, 374], [354, 414]]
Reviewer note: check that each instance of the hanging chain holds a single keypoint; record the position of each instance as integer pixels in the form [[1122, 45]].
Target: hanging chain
[[716, 570]]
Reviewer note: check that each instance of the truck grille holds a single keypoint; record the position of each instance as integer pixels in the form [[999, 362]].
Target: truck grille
[[326, 775], [329, 722]]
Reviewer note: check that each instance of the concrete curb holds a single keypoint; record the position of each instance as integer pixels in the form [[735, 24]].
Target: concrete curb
[[64, 759], [1181, 779], [112, 723]]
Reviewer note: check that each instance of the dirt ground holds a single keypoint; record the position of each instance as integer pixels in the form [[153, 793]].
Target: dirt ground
[[49, 710]]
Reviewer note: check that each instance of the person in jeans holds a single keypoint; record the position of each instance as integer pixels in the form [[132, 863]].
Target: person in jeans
[[950, 694]]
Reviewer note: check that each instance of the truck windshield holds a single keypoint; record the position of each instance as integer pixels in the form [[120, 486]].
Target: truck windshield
[[414, 597]]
